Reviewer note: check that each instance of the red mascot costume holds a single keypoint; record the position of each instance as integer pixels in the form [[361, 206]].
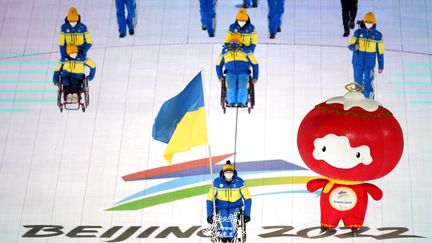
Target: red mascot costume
[[348, 140]]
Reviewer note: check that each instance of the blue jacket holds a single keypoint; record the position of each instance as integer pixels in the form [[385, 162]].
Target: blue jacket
[[229, 196], [77, 35], [236, 62], [371, 47], [248, 35]]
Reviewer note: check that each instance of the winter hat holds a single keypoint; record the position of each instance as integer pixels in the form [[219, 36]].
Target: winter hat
[[242, 15], [71, 49], [72, 15], [369, 17], [228, 167], [235, 36]]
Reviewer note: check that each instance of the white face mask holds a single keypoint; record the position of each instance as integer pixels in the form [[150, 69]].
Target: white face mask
[[73, 55], [73, 24], [241, 23], [368, 25], [228, 175]]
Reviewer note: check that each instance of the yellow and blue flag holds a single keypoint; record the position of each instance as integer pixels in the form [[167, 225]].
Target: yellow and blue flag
[[181, 121]]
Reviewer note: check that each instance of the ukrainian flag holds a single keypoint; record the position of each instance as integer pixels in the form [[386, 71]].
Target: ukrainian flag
[[181, 121]]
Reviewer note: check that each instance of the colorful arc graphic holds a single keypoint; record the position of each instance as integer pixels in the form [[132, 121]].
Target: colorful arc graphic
[[203, 189], [196, 171]]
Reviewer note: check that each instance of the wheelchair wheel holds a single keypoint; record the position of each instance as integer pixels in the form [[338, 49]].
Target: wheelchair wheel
[[244, 232], [86, 93], [242, 227], [59, 96], [223, 96], [252, 94], [59, 99]]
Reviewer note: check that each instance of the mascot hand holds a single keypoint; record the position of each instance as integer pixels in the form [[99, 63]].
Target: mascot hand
[[374, 191], [316, 184]]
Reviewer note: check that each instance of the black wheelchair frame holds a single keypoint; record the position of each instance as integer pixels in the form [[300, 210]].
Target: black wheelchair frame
[[61, 98], [250, 101]]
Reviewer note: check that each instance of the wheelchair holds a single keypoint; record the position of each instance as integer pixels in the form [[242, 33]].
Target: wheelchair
[[79, 87], [250, 100], [238, 223]]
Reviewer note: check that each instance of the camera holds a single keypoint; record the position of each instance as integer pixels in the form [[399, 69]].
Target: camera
[[359, 22]]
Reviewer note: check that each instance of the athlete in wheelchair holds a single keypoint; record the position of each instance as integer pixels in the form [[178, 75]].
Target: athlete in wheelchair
[[73, 91], [228, 206], [237, 85]]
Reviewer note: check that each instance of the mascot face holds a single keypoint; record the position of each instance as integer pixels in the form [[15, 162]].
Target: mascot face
[[350, 138], [337, 152]]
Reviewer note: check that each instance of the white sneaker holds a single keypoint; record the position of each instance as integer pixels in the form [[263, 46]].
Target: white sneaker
[[69, 98]]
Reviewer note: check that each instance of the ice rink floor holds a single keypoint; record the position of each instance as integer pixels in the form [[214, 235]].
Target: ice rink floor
[[60, 171]]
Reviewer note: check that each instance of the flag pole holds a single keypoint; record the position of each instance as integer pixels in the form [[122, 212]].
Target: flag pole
[[208, 146], [211, 180]]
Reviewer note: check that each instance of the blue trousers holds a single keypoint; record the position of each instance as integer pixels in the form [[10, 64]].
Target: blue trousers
[[121, 19], [276, 9], [228, 216], [237, 92], [365, 77], [208, 14], [249, 1]]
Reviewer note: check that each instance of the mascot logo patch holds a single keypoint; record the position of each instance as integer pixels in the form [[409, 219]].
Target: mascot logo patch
[[343, 198]]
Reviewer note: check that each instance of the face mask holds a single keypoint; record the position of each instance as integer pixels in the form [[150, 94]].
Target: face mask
[[73, 24], [229, 175], [368, 25], [234, 45], [241, 23], [73, 55]]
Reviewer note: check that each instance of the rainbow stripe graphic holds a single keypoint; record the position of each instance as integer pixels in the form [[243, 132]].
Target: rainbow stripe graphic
[[197, 171]]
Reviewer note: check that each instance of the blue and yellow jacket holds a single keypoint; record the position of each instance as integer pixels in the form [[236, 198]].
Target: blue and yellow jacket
[[371, 46], [77, 35], [236, 62], [75, 69], [229, 196], [249, 37]]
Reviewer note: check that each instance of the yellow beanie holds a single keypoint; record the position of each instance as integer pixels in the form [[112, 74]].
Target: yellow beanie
[[71, 49], [228, 166], [369, 17], [72, 15], [235, 36], [242, 15]]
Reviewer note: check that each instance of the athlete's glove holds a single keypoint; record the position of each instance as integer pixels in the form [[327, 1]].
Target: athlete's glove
[[210, 220]]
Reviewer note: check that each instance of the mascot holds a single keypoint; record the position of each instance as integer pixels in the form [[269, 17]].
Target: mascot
[[348, 140]]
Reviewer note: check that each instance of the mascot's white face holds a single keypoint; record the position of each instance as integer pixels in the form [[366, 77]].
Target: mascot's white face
[[337, 152]]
